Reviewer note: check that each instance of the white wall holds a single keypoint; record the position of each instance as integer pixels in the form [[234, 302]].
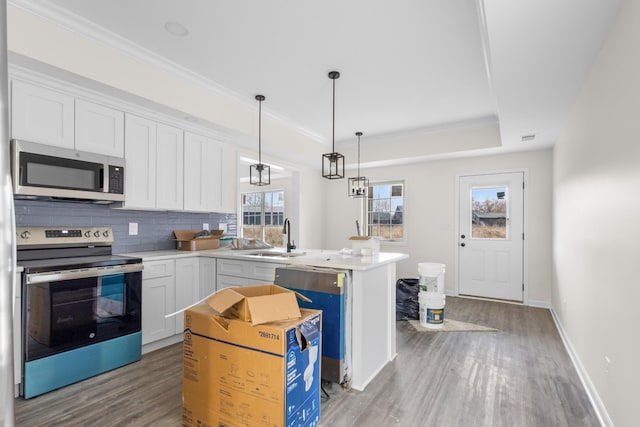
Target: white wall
[[430, 213], [596, 289]]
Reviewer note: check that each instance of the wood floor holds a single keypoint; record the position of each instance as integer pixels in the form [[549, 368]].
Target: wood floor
[[519, 376]]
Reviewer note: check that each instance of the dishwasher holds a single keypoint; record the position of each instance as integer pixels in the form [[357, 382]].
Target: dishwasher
[[330, 291]]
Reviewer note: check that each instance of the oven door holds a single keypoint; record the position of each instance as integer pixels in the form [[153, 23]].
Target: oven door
[[69, 309]]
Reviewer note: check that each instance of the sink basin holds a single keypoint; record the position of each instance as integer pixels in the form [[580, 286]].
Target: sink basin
[[278, 254]]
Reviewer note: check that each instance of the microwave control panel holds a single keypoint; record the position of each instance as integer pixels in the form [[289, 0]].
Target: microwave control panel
[[116, 179]]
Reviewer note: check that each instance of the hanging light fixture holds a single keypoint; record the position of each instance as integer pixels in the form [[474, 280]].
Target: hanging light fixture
[[358, 186], [259, 174], [333, 163]]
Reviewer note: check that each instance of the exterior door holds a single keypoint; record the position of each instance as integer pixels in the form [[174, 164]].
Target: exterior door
[[491, 239]]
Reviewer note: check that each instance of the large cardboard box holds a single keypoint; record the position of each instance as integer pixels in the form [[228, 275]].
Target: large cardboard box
[[187, 240], [236, 373]]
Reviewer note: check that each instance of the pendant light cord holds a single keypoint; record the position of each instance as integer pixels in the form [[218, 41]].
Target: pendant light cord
[[333, 134], [260, 132], [358, 156]]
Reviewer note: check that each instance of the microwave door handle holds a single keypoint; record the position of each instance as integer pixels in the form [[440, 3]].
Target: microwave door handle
[[103, 180], [56, 276]]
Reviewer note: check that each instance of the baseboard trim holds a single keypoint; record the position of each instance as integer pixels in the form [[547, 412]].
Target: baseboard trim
[[592, 393], [539, 304]]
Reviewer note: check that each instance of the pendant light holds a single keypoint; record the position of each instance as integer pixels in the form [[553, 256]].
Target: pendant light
[[358, 186], [259, 174], [333, 163]]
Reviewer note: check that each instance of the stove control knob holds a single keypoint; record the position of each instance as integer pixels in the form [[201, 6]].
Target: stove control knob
[[105, 233], [25, 234], [96, 233], [87, 234]]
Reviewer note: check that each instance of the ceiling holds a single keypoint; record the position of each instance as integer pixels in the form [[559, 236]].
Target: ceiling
[[406, 66]]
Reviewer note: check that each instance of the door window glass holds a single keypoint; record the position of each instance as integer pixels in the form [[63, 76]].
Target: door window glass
[[489, 213]]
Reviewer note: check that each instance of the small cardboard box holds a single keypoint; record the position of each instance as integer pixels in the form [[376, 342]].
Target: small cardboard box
[[239, 374], [187, 240], [257, 304]]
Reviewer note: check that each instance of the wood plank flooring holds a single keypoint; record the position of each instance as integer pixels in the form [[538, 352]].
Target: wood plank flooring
[[519, 376]]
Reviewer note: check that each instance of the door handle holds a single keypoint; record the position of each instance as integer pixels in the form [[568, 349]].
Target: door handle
[[463, 244]]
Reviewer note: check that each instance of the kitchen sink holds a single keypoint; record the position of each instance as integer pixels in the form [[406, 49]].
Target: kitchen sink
[[279, 254]]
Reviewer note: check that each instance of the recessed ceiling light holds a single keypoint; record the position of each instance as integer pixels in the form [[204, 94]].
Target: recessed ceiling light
[[176, 29]]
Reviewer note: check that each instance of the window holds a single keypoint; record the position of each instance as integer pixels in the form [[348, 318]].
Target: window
[[489, 213], [263, 216], [384, 208]]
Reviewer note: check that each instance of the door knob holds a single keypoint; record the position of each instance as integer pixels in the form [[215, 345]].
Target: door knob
[[463, 244], [462, 236]]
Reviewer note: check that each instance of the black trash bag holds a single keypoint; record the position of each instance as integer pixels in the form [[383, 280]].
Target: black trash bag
[[407, 307]]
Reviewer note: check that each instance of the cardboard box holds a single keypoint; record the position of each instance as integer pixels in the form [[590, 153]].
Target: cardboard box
[[187, 240], [257, 304], [239, 374]]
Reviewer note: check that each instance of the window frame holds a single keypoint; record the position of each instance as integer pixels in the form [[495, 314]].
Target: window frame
[[263, 214], [365, 211]]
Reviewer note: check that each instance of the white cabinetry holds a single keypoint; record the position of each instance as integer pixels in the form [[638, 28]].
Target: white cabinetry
[[169, 167], [158, 299], [154, 173], [232, 272], [187, 287], [207, 276], [41, 115], [99, 129], [140, 155], [203, 174]]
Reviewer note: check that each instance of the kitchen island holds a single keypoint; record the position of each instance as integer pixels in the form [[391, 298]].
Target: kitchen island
[[373, 293]]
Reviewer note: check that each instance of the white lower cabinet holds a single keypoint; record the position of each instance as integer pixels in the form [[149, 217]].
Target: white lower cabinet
[[158, 299], [231, 272], [187, 287], [207, 276]]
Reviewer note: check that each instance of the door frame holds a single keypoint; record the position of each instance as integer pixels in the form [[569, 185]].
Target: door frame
[[525, 227]]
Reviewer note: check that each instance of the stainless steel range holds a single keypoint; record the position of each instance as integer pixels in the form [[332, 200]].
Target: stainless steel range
[[81, 306]]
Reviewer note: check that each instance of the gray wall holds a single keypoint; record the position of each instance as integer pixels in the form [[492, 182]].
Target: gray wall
[[155, 229]]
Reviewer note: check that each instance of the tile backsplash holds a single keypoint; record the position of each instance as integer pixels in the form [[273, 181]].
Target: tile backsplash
[[155, 228]]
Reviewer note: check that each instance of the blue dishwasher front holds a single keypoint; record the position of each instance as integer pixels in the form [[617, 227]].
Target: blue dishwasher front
[[328, 290]]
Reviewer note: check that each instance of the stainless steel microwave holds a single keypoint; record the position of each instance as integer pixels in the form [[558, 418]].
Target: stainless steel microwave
[[43, 171]]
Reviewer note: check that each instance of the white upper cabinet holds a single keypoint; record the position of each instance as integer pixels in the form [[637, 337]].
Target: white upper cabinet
[[140, 155], [170, 167], [154, 172], [41, 115], [204, 177], [99, 129]]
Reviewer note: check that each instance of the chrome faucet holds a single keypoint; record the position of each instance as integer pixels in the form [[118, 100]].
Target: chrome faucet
[[287, 229]]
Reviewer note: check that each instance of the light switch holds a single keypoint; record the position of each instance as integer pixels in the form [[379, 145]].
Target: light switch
[[223, 227], [205, 226], [133, 229]]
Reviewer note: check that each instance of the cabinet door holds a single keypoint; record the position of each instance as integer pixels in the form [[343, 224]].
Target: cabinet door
[[207, 276], [41, 115], [170, 166], [158, 299], [187, 287], [224, 281], [213, 176], [140, 156], [229, 180], [99, 129], [195, 186]]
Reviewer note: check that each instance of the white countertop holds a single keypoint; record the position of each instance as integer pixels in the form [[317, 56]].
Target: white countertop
[[312, 257]]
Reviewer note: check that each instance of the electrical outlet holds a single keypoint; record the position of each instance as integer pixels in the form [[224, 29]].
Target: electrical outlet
[[222, 227], [205, 226], [133, 229]]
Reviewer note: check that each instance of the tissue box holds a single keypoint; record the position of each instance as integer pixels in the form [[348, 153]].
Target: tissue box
[[371, 245], [236, 373]]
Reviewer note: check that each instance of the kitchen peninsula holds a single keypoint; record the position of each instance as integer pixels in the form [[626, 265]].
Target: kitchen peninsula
[[372, 289]]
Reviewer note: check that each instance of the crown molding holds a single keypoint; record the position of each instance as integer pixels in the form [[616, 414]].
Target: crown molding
[[84, 27]]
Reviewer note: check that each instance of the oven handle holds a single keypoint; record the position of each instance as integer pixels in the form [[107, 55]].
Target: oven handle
[[56, 276]]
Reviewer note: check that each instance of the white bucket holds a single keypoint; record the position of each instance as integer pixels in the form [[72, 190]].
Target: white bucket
[[431, 277], [431, 309]]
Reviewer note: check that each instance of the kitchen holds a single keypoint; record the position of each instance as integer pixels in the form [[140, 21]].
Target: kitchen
[[569, 169]]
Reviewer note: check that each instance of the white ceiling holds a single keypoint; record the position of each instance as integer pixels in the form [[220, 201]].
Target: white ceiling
[[406, 65]]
